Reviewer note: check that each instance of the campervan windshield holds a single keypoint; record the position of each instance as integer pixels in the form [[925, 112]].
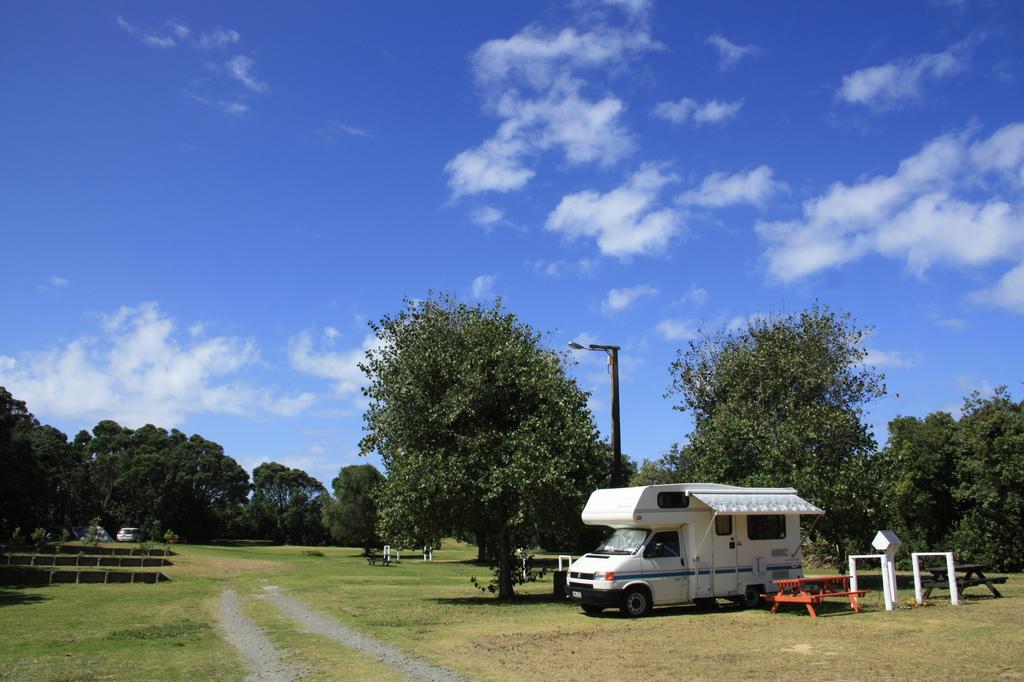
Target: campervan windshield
[[623, 541]]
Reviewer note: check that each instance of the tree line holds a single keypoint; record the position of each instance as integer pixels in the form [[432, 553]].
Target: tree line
[[160, 481]]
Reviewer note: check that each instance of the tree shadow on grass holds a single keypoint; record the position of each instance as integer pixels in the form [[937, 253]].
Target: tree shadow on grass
[[12, 596], [489, 600]]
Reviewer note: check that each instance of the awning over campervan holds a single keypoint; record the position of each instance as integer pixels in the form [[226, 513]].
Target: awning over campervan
[[756, 503]]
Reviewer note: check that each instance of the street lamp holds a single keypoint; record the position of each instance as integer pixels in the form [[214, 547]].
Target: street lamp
[[613, 362]]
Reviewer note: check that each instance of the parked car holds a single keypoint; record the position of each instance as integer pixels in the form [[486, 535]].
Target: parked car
[[99, 534], [129, 535]]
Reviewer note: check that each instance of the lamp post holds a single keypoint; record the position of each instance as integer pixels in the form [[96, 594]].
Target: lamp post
[[613, 362]]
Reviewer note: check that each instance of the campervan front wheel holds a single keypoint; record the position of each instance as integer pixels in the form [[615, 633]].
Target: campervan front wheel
[[635, 602]]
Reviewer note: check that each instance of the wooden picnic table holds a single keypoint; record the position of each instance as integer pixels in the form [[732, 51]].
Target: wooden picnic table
[[967, 575], [811, 590]]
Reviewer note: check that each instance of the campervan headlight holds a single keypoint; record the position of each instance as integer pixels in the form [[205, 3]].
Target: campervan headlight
[[607, 575]]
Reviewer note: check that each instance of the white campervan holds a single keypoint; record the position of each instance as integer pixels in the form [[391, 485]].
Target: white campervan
[[688, 542]]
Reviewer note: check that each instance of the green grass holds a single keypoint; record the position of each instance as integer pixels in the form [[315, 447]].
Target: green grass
[[169, 631]]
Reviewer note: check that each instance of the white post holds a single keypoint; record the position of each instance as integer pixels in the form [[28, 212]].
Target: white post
[[918, 592], [853, 576], [951, 570], [398, 556], [892, 581], [387, 552]]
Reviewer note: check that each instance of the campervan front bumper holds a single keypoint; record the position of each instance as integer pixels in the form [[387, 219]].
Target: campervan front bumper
[[581, 594]]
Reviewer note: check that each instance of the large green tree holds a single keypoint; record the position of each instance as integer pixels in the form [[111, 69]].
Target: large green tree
[[479, 427], [990, 494], [918, 478], [23, 489], [351, 517], [781, 403]]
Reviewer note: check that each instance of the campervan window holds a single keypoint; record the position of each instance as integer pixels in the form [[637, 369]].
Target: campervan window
[[623, 541], [669, 541], [723, 525], [766, 526], [676, 500]]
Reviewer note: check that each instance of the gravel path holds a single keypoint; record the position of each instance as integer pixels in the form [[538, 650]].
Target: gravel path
[[262, 657], [412, 667]]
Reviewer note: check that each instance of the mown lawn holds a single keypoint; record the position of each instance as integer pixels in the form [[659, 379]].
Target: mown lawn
[[169, 631]]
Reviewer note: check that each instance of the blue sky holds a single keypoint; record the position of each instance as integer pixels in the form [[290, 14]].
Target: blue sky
[[202, 204]]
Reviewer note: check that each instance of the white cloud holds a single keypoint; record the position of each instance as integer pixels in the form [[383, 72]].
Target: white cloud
[[487, 217], [538, 57], [620, 299], [241, 69], [913, 214], [718, 189], [741, 322], [483, 286], [582, 267], [901, 80], [147, 37], [331, 334], [624, 221], [1007, 293], [341, 367], [179, 29], [139, 370], [686, 109], [729, 53], [332, 130], [695, 295], [890, 359], [675, 329], [218, 38], [52, 283], [225, 106], [532, 83]]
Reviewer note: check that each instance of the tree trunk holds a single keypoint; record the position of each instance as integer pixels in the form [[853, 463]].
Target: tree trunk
[[481, 547], [504, 565]]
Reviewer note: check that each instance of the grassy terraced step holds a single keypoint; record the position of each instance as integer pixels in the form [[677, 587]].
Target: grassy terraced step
[[83, 561], [30, 575], [88, 550]]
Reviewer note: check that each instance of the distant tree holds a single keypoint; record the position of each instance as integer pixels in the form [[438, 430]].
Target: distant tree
[[781, 403], [917, 479], [669, 468], [479, 428], [351, 517], [990, 494], [286, 505], [62, 467], [155, 479]]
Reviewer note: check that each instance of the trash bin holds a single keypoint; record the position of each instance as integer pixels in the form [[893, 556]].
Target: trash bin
[[559, 583]]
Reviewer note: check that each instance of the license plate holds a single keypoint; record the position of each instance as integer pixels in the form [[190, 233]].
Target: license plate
[[577, 594]]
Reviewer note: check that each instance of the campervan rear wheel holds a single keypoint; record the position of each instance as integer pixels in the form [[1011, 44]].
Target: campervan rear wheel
[[752, 597], [635, 603], [592, 609]]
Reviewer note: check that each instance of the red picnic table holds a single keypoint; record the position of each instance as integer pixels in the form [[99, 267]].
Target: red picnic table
[[811, 590]]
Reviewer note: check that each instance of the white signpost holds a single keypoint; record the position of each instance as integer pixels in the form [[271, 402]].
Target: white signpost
[[886, 542]]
